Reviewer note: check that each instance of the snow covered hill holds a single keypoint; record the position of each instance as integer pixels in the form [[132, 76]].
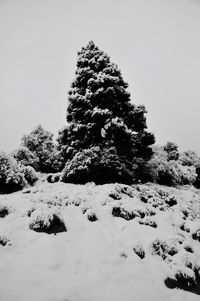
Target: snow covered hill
[[65, 242]]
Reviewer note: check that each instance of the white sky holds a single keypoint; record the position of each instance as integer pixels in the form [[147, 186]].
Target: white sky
[[156, 44]]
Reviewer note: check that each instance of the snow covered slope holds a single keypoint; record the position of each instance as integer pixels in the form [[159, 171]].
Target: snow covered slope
[[65, 242]]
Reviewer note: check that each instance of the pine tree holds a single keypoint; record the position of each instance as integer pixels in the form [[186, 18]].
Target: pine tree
[[100, 112]]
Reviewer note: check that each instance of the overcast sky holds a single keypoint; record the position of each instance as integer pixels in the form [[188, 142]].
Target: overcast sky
[[155, 43]]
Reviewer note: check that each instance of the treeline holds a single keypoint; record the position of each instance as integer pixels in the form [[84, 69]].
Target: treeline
[[104, 140], [39, 153]]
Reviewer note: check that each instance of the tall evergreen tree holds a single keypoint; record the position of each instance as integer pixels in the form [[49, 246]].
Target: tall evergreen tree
[[100, 112]]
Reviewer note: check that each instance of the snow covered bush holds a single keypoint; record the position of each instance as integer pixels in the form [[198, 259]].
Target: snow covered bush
[[46, 220], [4, 210], [165, 168], [129, 212], [4, 241], [118, 211], [163, 172], [190, 159], [26, 157], [91, 215], [171, 201], [184, 274], [29, 174], [55, 162], [11, 176], [139, 250], [172, 151], [53, 178], [157, 169], [42, 147], [98, 165], [183, 278], [147, 221], [188, 174], [196, 234], [163, 248]]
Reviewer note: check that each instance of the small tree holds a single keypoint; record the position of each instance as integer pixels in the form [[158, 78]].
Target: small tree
[[11, 176], [172, 151], [162, 170], [101, 114], [40, 143], [191, 160], [26, 157]]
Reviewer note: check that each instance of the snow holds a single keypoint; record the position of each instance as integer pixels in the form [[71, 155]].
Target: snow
[[94, 260]]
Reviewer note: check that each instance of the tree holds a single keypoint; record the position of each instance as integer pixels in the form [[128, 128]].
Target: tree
[[162, 170], [11, 177], [191, 159], [172, 151], [26, 157], [14, 176], [100, 112], [40, 143], [90, 166]]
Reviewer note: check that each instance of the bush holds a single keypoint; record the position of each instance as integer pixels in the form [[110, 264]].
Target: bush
[[196, 234], [55, 162], [98, 165], [172, 151], [139, 250], [188, 174], [11, 176], [185, 274], [163, 248], [29, 174], [191, 160], [53, 178], [41, 146], [4, 241], [4, 210], [162, 170], [26, 157], [47, 221], [14, 176]]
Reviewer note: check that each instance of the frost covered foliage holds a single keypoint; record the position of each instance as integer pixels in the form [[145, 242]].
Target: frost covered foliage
[[14, 176], [42, 151], [189, 158], [185, 273], [11, 177], [29, 174], [172, 151], [4, 241], [139, 250], [26, 157], [4, 210], [97, 165], [53, 178], [166, 167], [164, 249], [192, 160], [100, 114], [48, 221]]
